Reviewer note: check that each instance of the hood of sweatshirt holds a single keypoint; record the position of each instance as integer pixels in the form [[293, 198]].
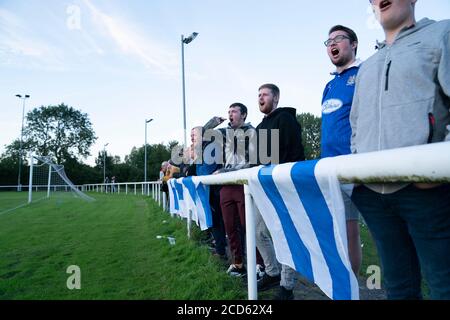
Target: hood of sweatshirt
[[278, 111], [407, 31]]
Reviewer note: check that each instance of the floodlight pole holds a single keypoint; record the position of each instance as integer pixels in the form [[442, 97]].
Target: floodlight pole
[[145, 156], [104, 162], [183, 42], [19, 186]]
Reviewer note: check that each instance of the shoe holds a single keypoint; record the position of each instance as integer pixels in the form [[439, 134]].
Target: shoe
[[284, 294], [267, 282], [234, 271], [260, 271]]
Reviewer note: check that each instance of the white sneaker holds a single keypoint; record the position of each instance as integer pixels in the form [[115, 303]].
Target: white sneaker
[[234, 271], [259, 271]]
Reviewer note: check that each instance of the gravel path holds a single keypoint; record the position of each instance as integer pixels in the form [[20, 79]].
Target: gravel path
[[307, 291]]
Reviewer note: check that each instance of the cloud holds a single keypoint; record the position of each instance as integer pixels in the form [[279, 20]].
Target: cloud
[[50, 46], [18, 47], [153, 55]]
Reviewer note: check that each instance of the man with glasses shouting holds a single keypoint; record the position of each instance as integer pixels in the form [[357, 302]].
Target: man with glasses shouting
[[342, 46]]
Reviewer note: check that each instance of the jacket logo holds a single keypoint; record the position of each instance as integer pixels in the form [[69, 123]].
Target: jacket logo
[[351, 81], [331, 105]]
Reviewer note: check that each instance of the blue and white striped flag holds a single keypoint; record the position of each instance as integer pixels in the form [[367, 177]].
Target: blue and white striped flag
[[177, 204], [301, 204], [190, 194], [174, 205]]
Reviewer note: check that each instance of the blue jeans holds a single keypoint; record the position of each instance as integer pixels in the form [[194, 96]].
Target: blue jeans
[[411, 229]]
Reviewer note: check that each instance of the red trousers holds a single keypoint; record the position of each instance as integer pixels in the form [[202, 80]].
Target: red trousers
[[232, 202]]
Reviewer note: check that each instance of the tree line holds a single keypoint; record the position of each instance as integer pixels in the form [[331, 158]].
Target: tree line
[[66, 135]]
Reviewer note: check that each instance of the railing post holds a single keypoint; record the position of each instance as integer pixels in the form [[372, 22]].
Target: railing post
[[189, 224], [251, 244], [156, 194], [126, 188], [135, 189], [158, 191], [163, 201]]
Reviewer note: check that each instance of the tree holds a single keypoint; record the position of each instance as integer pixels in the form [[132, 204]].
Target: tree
[[80, 173], [8, 170], [172, 144], [311, 127], [57, 131], [107, 161], [156, 154]]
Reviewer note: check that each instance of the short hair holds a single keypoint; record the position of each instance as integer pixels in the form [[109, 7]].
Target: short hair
[[196, 128], [350, 33], [241, 107], [275, 90]]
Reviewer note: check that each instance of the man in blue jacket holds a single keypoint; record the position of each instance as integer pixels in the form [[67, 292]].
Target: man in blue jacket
[[342, 46]]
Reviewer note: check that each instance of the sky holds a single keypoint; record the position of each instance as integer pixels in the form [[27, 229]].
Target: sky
[[120, 61]]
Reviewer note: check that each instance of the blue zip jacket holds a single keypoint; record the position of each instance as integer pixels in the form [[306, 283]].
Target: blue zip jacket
[[336, 105]]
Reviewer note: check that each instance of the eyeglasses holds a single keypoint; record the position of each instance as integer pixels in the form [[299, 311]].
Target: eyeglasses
[[336, 39]]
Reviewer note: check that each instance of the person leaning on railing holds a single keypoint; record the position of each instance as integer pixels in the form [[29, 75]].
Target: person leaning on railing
[[402, 99]]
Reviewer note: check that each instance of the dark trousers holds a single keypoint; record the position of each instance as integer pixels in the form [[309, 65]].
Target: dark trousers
[[232, 202], [411, 229], [218, 228]]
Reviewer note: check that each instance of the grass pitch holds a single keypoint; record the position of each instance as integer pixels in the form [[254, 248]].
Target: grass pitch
[[114, 243]]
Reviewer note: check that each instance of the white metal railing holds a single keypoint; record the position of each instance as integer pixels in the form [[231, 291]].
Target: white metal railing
[[151, 188], [123, 187], [425, 164], [37, 187]]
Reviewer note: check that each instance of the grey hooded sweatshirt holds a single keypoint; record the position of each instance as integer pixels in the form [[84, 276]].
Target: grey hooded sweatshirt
[[402, 94]]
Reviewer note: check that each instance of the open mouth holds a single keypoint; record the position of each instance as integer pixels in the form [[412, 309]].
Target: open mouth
[[335, 52], [384, 5]]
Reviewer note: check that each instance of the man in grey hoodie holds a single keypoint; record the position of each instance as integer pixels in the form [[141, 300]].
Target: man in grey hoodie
[[402, 98], [239, 152]]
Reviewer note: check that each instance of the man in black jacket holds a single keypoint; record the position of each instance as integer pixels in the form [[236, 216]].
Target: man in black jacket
[[278, 123]]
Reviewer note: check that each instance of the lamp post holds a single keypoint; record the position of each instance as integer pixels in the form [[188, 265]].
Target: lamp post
[[145, 152], [183, 42], [19, 186], [104, 162]]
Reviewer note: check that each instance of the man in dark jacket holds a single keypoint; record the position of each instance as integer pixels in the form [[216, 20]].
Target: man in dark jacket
[[284, 144], [283, 120]]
